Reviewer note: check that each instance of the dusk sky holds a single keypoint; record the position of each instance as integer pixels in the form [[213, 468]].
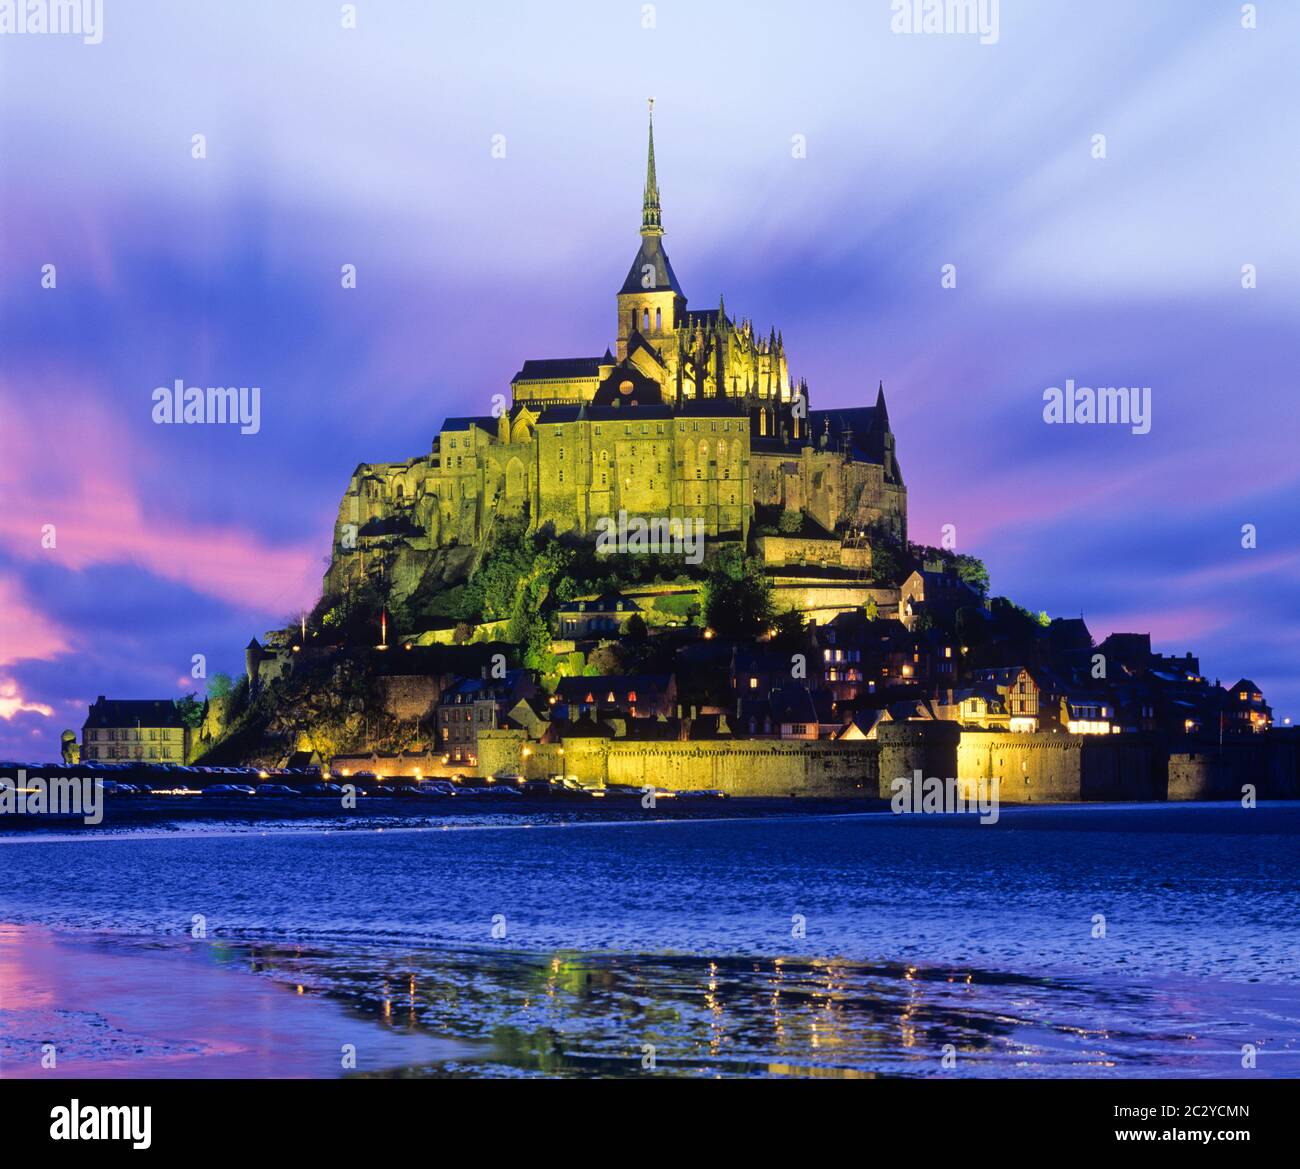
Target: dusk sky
[[373, 146]]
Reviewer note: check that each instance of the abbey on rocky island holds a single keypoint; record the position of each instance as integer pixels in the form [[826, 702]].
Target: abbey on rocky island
[[693, 416]]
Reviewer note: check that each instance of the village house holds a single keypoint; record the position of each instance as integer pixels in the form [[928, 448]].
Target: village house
[[477, 704], [147, 729], [629, 695]]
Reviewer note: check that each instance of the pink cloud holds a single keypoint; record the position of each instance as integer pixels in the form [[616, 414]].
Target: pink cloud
[[13, 703], [25, 632], [100, 518]]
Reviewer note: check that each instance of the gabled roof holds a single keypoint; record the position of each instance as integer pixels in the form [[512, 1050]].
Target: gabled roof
[[711, 408], [606, 603], [601, 686], [482, 689], [793, 704], [482, 421], [559, 369], [133, 712], [986, 691]]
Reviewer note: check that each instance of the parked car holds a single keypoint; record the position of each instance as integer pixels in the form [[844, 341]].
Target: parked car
[[229, 789], [323, 789], [437, 788], [276, 789]]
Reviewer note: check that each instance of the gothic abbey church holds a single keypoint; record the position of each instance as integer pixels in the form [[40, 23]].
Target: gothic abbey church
[[693, 415]]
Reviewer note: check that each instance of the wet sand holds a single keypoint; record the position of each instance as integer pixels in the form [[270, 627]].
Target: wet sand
[[175, 1013]]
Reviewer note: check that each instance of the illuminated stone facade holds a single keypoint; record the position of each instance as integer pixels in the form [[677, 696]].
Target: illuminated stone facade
[[694, 415]]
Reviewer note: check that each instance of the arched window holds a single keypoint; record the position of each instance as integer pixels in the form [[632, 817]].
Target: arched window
[[645, 320], [659, 320], [631, 320]]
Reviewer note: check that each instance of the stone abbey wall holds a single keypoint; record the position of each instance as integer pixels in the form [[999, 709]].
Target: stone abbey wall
[[569, 475]]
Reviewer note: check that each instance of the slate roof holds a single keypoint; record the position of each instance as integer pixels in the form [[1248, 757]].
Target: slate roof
[[605, 603], [577, 689], [133, 712], [651, 253], [482, 421], [559, 369]]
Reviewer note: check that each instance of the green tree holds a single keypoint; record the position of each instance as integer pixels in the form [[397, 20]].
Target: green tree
[[220, 686], [536, 645], [738, 597], [606, 659], [788, 631], [972, 570], [790, 523], [873, 610], [191, 710], [884, 566]]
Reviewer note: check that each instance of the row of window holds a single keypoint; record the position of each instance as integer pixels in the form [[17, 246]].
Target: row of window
[[135, 735], [143, 753]]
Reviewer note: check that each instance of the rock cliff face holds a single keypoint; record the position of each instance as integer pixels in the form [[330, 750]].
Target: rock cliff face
[[393, 527]]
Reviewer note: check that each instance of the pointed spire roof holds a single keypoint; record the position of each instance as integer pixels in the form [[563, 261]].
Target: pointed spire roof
[[651, 271], [651, 216], [882, 413]]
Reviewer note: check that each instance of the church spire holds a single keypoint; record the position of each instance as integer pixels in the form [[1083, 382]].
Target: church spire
[[651, 219]]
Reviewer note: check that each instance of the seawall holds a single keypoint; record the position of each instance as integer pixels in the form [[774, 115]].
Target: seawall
[[1043, 768]]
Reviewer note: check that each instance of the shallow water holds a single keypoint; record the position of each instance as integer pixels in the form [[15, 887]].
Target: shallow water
[[794, 945]]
